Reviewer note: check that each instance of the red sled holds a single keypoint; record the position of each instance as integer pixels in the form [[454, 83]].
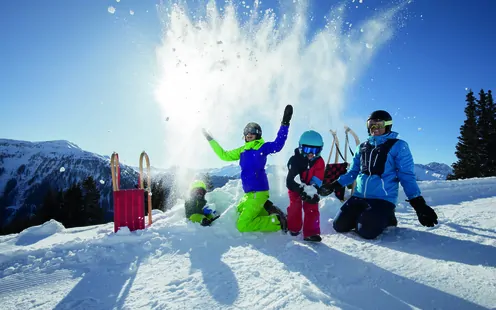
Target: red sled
[[129, 204]]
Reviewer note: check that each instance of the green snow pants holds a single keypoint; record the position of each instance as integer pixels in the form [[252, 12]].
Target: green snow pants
[[253, 216], [197, 217]]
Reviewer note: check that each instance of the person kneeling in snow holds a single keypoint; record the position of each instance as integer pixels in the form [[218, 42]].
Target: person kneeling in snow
[[307, 163], [379, 164], [196, 208], [252, 156]]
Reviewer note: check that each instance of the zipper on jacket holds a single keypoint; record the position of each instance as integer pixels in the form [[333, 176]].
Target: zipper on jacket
[[370, 170], [383, 187]]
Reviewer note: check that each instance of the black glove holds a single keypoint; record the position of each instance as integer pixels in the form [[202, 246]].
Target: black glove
[[207, 135], [303, 195], [205, 222], [426, 215], [307, 198], [329, 188], [315, 199], [288, 113]]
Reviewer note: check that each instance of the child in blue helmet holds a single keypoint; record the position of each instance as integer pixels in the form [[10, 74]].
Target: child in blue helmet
[[196, 208], [307, 163]]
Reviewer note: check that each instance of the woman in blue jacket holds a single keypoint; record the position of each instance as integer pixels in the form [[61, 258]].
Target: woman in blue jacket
[[379, 165]]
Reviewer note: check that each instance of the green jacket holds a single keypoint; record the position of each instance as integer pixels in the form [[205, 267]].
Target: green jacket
[[194, 206]]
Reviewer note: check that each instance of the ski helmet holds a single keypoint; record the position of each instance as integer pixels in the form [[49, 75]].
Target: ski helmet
[[253, 128], [312, 140], [198, 184], [383, 116]]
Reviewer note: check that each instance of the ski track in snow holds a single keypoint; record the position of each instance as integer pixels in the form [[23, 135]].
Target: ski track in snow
[[175, 264]]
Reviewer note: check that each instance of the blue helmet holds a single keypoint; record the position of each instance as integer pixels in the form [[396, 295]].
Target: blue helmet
[[311, 142]]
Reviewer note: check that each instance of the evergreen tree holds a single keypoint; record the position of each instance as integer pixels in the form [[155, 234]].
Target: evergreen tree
[[468, 164], [491, 111], [50, 208], [73, 208], [91, 202], [483, 132], [158, 197]]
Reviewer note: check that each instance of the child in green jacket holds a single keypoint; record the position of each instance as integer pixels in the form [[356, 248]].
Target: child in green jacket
[[196, 208]]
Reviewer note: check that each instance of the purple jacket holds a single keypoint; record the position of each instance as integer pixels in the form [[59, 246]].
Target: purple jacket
[[252, 159]]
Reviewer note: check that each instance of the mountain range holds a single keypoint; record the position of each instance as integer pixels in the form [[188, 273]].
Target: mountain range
[[428, 172], [27, 167]]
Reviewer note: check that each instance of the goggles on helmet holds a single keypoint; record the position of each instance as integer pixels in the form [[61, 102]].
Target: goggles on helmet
[[308, 149], [378, 124], [251, 131]]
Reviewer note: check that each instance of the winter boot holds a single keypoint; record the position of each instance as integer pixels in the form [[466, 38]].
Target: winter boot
[[271, 208], [284, 222], [314, 238], [393, 221], [294, 233]]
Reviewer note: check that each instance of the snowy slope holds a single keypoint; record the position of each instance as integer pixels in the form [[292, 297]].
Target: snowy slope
[[179, 265]]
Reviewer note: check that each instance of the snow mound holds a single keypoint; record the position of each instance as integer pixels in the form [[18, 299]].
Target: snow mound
[[34, 234]]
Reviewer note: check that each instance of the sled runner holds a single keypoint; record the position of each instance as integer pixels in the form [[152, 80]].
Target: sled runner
[[129, 204], [336, 169]]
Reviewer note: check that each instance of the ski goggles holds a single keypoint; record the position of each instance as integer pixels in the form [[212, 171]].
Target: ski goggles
[[251, 131], [199, 192], [307, 149], [378, 123]]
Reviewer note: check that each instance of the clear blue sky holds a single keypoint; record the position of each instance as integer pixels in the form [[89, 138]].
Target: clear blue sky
[[72, 70]]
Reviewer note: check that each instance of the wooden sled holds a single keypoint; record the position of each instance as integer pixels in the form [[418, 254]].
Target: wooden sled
[[129, 204], [334, 170]]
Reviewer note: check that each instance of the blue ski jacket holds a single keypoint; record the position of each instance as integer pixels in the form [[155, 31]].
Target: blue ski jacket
[[398, 168]]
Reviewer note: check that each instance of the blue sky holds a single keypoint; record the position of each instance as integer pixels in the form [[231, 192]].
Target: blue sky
[[72, 70]]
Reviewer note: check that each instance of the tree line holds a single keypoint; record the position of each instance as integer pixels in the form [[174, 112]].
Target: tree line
[[78, 205], [476, 147]]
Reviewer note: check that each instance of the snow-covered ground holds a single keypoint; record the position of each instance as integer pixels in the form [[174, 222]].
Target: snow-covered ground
[[175, 264]]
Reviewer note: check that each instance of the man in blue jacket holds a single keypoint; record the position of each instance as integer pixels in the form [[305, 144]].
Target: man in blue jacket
[[379, 165]]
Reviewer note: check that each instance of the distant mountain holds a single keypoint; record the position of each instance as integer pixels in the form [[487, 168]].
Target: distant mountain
[[431, 171], [441, 168], [27, 168]]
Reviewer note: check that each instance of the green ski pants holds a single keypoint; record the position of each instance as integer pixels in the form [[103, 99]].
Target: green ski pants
[[253, 216]]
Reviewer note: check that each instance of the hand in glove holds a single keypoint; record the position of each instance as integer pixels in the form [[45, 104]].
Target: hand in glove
[[288, 113], [327, 189], [426, 215], [314, 199], [205, 222], [206, 134], [303, 195], [307, 198], [208, 221]]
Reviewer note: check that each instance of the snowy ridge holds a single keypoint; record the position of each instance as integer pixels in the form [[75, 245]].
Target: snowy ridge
[[27, 165], [175, 264], [429, 172]]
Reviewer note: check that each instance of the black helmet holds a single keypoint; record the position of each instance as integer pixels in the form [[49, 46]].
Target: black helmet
[[253, 128], [383, 116]]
